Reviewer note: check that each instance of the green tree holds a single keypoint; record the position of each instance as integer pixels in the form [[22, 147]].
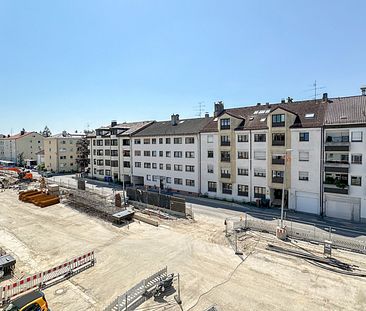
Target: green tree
[[20, 159], [46, 132], [82, 150]]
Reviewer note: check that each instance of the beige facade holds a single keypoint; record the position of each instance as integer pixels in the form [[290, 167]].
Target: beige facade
[[60, 152], [25, 145]]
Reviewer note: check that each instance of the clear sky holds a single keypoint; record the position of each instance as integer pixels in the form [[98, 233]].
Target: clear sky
[[74, 63]]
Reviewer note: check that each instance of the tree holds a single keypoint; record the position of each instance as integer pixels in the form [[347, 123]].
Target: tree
[[82, 150], [20, 159], [46, 132]]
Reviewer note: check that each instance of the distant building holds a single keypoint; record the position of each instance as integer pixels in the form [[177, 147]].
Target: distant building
[[24, 145], [60, 152]]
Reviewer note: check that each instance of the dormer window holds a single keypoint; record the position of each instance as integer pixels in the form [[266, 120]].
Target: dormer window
[[278, 120], [225, 124]]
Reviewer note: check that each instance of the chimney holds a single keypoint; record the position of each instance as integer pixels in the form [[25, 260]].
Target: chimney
[[219, 107], [113, 123], [22, 132], [283, 101], [207, 115], [363, 90], [64, 133], [174, 119], [325, 97], [258, 104]]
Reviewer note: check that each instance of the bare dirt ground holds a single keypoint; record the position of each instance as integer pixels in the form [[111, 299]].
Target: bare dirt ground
[[211, 274]]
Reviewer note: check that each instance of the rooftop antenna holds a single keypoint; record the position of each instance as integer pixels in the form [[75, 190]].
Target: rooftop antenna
[[315, 88], [200, 109]]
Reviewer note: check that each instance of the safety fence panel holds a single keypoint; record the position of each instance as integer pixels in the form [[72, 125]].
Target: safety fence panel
[[135, 293], [46, 278]]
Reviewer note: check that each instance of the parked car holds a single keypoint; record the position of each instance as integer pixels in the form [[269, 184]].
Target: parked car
[[33, 301]]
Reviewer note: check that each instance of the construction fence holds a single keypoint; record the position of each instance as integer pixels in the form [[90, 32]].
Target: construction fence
[[137, 294], [310, 234], [157, 199], [47, 278]]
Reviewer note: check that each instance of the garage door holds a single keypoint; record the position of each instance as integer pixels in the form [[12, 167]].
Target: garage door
[[307, 203], [339, 209]]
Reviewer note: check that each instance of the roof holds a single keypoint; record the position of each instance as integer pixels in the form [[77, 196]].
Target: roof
[[255, 117], [183, 127], [128, 128], [346, 110], [27, 298], [19, 135], [67, 135]]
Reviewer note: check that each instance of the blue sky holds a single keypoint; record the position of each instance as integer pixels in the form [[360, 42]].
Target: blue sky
[[70, 64]]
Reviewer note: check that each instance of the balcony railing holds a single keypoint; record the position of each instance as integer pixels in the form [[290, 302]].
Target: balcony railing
[[225, 127], [278, 124], [224, 175], [225, 159], [227, 191], [243, 193], [225, 143], [331, 188], [278, 161], [212, 190], [277, 180], [337, 167], [278, 142]]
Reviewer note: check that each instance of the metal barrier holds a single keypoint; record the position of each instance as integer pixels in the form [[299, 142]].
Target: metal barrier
[[313, 234], [48, 277], [136, 293]]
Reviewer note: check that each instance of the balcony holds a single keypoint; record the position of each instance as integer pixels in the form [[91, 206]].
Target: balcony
[[278, 143], [225, 159], [225, 175], [336, 167], [225, 143], [278, 124], [337, 143], [329, 188], [277, 180], [280, 161]]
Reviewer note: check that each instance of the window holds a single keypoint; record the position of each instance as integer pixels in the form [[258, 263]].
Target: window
[[107, 172], [161, 166], [107, 142], [114, 153], [161, 153], [147, 165], [178, 167], [225, 124], [168, 180], [178, 154], [243, 190], [356, 136], [225, 173], [212, 186], [243, 171], [62, 157], [93, 142], [309, 115], [189, 140], [33, 307], [99, 142], [160, 141], [126, 164], [153, 153], [210, 154], [137, 164], [189, 168], [146, 153], [155, 178], [114, 163], [259, 172], [125, 142], [137, 141], [107, 162], [259, 192], [243, 155], [210, 139], [190, 182], [225, 156], [278, 120], [126, 153], [278, 139], [225, 140], [177, 140], [167, 154], [154, 166], [227, 188], [356, 180], [99, 152], [210, 168], [304, 136], [260, 155], [178, 181], [148, 177], [189, 154], [356, 158], [259, 137], [303, 175], [137, 153], [146, 141], [242, 138], [114, 142], [167, 140], [168, 167], [153, 141], [303, 156]]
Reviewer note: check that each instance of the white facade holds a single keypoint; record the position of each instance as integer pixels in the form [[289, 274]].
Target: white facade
[[171, 161]]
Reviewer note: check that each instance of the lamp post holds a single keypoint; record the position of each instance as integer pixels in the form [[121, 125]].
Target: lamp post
[[283, 188]]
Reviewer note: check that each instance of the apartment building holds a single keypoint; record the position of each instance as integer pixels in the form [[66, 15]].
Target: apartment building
[[24, 145], [166, 155], [60, 152], [111, 153], [243, 152], [344, 159]]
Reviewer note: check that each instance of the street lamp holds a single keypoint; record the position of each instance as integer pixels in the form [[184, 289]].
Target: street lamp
[[283, 188]]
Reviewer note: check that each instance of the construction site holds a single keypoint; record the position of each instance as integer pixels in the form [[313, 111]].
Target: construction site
[[134, 250]]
